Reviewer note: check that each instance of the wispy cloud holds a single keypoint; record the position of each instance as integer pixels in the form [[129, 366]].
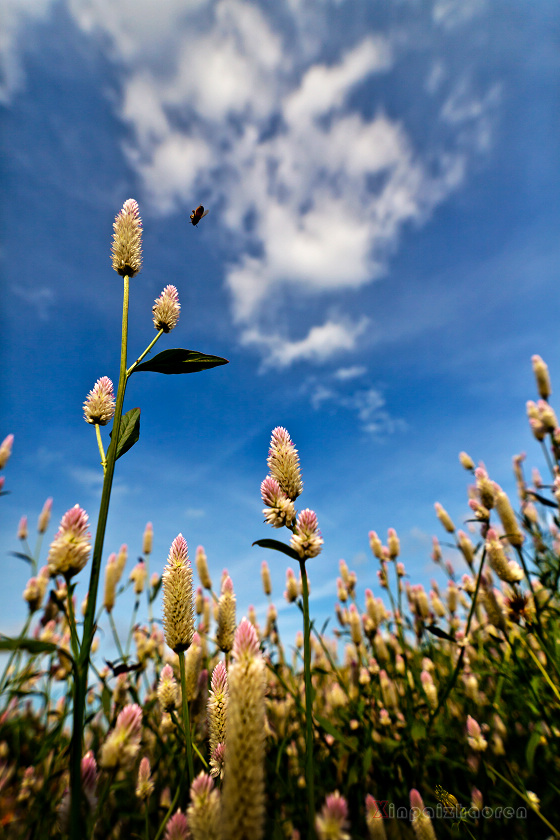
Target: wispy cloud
[[368, 404]]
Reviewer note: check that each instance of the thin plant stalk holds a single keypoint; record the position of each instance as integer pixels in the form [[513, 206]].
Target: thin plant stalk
[[82, 666], [186, 719], [309, 768]]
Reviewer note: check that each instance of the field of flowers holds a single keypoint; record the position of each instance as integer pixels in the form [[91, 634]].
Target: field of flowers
[[423, 714]]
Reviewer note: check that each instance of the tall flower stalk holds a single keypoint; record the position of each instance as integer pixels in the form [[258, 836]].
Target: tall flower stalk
[[279, 491]]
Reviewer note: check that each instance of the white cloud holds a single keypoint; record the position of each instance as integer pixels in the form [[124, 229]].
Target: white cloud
[[368, 404], [16, 15], [235, 104], [343, 374], [321, 343]]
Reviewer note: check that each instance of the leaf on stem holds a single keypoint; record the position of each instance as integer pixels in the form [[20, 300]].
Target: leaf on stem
[[34, 646], [276, 545], [21, 556], [129, 431], [178, 360]]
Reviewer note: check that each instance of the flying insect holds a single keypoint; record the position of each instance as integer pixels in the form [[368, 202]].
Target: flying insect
[[198, 214]]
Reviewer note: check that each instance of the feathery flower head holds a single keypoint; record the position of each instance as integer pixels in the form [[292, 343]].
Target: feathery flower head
[[202, 568], [111, 579], [166, 309], [265, 577], [307, 539], [99, 406], [144, 784], [374, 819], [376, 545], [226, 616], [217, 715], [69, 551], [177, 827], [204, 815], [22, 528], [122, 744], [475, 738], [168, 690], [332, 822], [507, 570], [178, 602], [540, 370], [279, 509], [148, 539], [138, 576], [283, 463], [466, 461], [6, 450], [127, 240], [292, 589], [421, 822], [45, 516], [507, 517], [246, 642], [444, 518]]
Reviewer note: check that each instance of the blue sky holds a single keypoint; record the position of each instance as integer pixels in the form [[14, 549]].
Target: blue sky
[[379, 263]]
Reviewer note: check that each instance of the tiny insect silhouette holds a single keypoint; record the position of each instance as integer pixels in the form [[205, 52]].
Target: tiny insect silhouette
[[198, 214]]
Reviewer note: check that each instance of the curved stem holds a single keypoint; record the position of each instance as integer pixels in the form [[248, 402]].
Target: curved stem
[[80, 684], [100, 447], [145, 353]]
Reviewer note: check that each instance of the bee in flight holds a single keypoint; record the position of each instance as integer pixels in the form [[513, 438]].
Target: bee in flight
[[198, 214]]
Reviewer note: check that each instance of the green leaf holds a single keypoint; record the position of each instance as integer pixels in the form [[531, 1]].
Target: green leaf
[[437, 631], [34, 646], [279, 546], [129, 431], [21, 556], [178, 360], [532, 745]]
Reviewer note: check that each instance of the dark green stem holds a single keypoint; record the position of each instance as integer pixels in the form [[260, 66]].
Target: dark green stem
[[309, 770], [186, 719], [80, 686]]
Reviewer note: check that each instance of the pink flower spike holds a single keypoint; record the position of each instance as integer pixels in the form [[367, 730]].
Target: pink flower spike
[[99, 406], [6, 450], [127, 240], [177, 828], [69, 551], [166, 310], [246, 642]]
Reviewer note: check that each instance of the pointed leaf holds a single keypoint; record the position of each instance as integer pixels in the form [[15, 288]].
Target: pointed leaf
[[129, 431], [279, 546], [21, 556], [437, 631], [178, 360]]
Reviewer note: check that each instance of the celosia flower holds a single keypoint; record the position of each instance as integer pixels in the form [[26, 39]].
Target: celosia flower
[[393, 544], [376, 545], [283, 463], [475, 739], [22, 528], [45, 516], [178, 603], [177, 828], [421, 822], [138, 575], [374, 818], [202, 568], [243, 799], [168, 690], [292, 589], [355, 624], [507, 570], [332, 822], [144, 784], [111, 579], [148, 539], [6, 450], [225, 631], [466, 461], [217, 715], [279, 509], [444, 518], [507, 516], [193, 664], [166, 309], [127, 240], [204, 816], [122, 744], [89, 787], [265, 577], [429, 688], [69, 551], [99, 406], [540, 369], [307, 539]]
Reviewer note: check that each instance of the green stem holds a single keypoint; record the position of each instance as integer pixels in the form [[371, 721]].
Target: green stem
[[186, 719], [116, 637], [145, 353], [80, 686], [100, 446], [4, 681], [309, 769]]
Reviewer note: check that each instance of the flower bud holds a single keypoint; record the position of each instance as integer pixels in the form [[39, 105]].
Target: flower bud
[[69, 551], [540, 370], [202, 568], [99, 406], [45, 517], [166, 310], [306, 539], [127, 240], [283, 463], [148, 539]]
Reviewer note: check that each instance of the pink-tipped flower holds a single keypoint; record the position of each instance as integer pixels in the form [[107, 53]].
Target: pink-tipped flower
[[244, 782], [444, 518], [138, 576], [69, 551], [204, 812], [45, 516], [148, 539], [144, 784], [540, 370], [225, 630], [177, 828], [475, 739], [127, 240], [89, 788], [332, 822], [178, 597], [123, 743], [217, 715], [374, 818], [292, 589], [283, 463], [307, 539], [6, 450], [202, 568], [22, 528], [279, 509], [166, 309], [265, 577], [168, 690], [421, 822], [99, 406]]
